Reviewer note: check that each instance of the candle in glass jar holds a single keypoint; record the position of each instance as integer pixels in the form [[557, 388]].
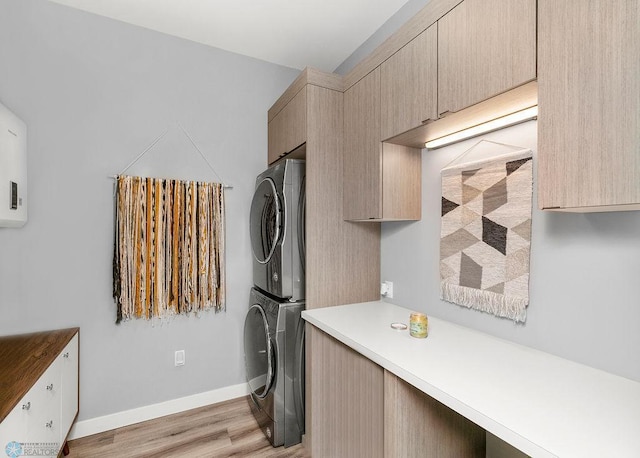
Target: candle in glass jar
[[418, 325]]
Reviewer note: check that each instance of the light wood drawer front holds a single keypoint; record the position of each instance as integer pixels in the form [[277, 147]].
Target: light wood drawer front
[[485, 47]]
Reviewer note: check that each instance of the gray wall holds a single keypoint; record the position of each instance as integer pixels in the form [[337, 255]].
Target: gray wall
[[385, 31], [584, 288], [94, 93]]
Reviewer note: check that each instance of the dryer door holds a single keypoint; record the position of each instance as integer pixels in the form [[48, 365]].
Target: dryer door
[[258, 352], [265, 221]]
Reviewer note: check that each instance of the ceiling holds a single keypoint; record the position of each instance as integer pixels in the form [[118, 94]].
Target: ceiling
[[293, 33]]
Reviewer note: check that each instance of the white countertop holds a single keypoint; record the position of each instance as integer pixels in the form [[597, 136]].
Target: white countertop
[[539, 403]]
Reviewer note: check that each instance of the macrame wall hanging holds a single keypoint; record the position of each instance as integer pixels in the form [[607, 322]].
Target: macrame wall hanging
[[169, 245], [486, 229]]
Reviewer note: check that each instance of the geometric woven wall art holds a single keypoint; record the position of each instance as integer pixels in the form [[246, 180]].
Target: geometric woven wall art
[[486, 232]]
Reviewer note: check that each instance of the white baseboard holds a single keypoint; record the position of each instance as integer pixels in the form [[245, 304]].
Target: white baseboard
[[129, 417]]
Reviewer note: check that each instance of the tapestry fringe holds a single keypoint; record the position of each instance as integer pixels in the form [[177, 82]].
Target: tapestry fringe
[[514, 308]]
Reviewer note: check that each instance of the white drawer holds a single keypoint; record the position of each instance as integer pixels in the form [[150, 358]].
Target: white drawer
[[69, 382], [36, 418], [43, 422], [14, 426]]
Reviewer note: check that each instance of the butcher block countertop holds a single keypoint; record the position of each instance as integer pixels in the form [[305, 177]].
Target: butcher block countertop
[[544, 405], [23, 360]]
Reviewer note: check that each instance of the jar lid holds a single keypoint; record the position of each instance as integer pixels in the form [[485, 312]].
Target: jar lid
[[399, 326]]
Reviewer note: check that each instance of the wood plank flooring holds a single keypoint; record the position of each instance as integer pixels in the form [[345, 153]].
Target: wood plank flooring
[[226, 429]]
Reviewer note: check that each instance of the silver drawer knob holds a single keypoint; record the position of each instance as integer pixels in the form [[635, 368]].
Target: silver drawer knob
[[50, 387], [66, 355], [26, 406], [49, 424]]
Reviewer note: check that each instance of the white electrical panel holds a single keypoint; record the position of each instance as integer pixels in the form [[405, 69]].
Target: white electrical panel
[[13, 169]]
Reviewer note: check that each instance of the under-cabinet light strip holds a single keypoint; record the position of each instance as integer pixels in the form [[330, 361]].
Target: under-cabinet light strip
[[489, 126]]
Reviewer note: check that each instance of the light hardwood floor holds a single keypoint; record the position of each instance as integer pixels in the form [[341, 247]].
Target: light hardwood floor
[[226, 429]]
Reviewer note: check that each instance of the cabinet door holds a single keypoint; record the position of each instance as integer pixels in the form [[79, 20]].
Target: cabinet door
[[362, 188], [589, 105], [69, 387], [485, 47], [409, 81], [288, 129], [416, 425], [346, 409]]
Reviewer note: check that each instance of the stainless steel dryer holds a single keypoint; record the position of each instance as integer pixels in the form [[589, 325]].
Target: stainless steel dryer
[[274, 360], [277, 230]]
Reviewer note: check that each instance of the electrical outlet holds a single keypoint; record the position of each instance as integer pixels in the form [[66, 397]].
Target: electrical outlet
[[179, 358], [386, 289]]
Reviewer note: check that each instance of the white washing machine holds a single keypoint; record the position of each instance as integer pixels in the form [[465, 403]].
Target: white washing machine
[[277, 230], [274, 361]]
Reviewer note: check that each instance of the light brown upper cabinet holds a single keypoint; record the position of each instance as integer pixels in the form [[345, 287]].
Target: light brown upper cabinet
[[288, 129], [382, 182], [485, 47], [589, 105], [409, 85], [362, 188]]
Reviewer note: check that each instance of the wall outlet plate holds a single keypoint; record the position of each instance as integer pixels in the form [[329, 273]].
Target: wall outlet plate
[[179, 358], [386, 289]]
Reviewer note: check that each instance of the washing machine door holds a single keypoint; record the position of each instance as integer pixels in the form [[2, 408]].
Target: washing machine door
[[265, 221], [258, 352]]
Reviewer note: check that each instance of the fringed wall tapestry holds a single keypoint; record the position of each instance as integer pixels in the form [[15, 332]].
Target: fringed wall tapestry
[[486, 234], [169, 247]]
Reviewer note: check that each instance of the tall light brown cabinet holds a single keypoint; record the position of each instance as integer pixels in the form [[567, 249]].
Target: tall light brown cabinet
[[589, 105], [342, 258]]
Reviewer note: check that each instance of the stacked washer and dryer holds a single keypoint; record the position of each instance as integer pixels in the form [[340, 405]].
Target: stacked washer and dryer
[[274, 329]]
